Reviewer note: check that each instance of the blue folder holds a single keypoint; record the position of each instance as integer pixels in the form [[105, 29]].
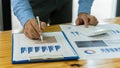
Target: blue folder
[[41, 58]]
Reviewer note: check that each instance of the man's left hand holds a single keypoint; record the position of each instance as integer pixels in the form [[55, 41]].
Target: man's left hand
[[86, 19]]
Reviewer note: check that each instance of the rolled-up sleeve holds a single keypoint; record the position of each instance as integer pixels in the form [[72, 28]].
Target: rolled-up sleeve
[[23, 10], [85, 6]]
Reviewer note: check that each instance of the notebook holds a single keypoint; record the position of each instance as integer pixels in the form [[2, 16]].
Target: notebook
[[55, 47]]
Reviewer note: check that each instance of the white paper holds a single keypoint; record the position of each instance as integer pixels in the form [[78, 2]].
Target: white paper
[[101, 46], [24, 48]]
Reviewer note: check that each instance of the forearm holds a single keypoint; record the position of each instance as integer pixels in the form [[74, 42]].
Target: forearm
[[22, 10], [85, 6]]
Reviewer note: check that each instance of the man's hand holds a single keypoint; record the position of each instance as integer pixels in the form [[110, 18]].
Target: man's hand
[[86, 19], [32, 29]]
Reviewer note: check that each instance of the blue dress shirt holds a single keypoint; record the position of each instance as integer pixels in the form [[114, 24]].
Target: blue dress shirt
[[23, 10]]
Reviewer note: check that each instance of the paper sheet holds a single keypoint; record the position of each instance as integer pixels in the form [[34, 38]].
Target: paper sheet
[[54, 45], [101, 46]]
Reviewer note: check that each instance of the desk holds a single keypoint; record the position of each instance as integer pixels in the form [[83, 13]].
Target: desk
[[115, 20], [6, 54]]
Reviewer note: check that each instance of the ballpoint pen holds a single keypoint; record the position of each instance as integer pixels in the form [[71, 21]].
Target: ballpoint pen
[[39, 24]]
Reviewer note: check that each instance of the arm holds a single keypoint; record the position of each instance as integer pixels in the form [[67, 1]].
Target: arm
[[22, 10], [84, 16], [85, 6]]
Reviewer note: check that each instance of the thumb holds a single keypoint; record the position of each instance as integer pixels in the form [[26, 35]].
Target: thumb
[[77, 22]]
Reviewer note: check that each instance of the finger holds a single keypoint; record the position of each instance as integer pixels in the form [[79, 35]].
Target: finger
[[35, 26], [43, 25], [34, 32], [30, 30], [26, 32], [96, 22], [86, 21], [93, 20], [77, 21]]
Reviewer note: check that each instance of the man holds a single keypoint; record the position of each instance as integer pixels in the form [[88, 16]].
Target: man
[[52, 11]]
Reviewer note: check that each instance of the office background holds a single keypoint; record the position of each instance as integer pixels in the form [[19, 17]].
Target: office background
[[1, 21], [99, 9], [118, 8], [5, 15]]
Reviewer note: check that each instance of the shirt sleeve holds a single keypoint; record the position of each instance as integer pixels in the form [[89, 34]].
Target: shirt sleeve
[[23, 10], [85, 6]]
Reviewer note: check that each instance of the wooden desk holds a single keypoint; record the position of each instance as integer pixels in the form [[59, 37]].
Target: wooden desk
[[6, 55], [115, 20]]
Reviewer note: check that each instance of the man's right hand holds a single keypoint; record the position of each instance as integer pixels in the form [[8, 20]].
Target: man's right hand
[[32, 29]]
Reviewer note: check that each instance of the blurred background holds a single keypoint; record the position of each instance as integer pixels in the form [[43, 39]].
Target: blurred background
[[102, 9], [5, 15]]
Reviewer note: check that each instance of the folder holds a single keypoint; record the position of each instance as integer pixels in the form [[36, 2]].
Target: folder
[[55, 47]]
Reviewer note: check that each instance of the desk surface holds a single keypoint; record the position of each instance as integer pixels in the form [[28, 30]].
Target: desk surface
[[6, 54]]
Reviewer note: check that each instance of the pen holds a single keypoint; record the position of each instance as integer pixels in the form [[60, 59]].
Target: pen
[[39, 24]]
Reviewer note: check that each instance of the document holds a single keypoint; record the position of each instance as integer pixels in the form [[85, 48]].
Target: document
[[54, 47], [106, 45], [72, 43]]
